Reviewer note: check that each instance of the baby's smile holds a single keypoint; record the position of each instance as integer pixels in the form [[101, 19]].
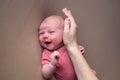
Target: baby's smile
[[47, 42]]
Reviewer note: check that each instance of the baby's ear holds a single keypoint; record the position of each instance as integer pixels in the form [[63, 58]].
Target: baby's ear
[[82, 49]]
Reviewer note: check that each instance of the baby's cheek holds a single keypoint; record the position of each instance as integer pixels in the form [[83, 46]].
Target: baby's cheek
[[40, 38]]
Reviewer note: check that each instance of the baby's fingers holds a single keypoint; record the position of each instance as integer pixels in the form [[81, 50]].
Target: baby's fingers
[[55, 57], [82, 49]]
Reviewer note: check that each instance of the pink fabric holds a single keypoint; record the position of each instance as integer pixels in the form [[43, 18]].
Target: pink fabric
[[64, 69]]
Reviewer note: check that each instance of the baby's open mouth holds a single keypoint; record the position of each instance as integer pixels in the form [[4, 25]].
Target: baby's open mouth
[[47, 42]]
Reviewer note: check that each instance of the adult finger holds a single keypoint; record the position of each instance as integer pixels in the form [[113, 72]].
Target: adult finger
[[66, 25], [69, 15]]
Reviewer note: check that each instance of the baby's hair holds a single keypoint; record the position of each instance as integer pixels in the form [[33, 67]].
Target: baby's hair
[[52, 16], [55, 17]]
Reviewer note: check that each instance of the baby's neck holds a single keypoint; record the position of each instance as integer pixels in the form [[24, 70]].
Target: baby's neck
[[62, 45]]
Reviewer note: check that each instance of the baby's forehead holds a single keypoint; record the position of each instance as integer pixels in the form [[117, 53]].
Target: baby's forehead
[[56, 18], [53, 20]]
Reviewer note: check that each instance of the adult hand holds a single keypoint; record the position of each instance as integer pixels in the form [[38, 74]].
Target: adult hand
[[70, 28]]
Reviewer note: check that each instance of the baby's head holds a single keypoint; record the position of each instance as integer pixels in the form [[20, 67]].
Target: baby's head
[[51, 32]]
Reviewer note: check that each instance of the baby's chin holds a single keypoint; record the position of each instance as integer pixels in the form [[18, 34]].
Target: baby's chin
[[51, 48]]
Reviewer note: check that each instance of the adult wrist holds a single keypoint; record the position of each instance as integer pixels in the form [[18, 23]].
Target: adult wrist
[[72, 45]]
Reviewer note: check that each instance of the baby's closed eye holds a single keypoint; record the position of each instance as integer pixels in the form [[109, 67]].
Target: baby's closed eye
[[52, 32]]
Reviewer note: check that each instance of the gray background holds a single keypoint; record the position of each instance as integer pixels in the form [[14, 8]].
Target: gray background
[[99, 29]]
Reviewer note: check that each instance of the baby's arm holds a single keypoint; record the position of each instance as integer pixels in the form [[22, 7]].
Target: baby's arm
[[48, 69]]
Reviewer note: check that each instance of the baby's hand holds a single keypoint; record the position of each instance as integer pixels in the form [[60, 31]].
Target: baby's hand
[[55, 58], [82, 50]]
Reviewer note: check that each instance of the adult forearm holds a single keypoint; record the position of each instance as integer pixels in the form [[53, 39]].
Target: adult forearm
[[82, 69]]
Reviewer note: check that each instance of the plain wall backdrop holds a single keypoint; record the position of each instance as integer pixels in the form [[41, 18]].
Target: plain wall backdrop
[[98, 32]]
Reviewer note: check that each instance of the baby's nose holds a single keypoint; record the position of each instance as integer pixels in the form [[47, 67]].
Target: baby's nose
[[46, 35]]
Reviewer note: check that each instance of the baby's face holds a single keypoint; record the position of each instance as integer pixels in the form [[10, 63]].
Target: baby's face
[[51, 34]]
